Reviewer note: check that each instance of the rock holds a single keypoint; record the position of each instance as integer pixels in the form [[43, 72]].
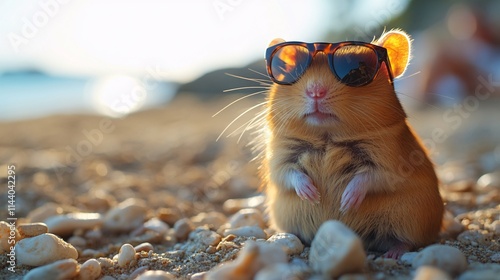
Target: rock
[[205, 236], [144, 247], [182, 228], [444, 257], [32, 229], [156, 275], [247, 217], [137, 272], [278, 271], [488, 182], [251, 259], [479, 274], [43, 212], [167, 215], [64, 225], [247, 231], [43, 249], [58, 270], [357, 276], [126, 255], [336, 250], [212, 219], [430, 273], [90, 270], [157, 225], [6, 231], [198, 276], [451, 226], [407, 258], [290, 243], [126, 216], [77, 241], [234, 205]]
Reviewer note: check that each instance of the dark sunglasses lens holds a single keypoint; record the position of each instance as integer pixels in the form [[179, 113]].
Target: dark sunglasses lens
[[355, 65], [289, 63]]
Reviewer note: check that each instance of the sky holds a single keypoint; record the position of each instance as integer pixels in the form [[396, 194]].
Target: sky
[[180, 39]]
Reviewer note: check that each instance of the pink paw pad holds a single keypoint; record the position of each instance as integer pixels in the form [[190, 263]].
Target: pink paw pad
[[396, 252], [304, 187], [354, 193]]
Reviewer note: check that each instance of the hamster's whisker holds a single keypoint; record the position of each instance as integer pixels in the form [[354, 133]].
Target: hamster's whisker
[[246, 125], [249, 125], [238, 117], [263, 82], [420, 100], [410, 76], [237, 100], [259, 73], [241, 88]]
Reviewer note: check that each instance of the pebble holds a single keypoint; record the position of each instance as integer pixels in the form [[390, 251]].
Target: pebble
[[205, 236], [357, 276], [90, 270], [278, 271], [157, 225], [126, 216], [234, 205], [451, 226], [167, 215], [77, 241], [447, 258], [479, 274], [407, 258], [5, 231], [336, 250], [247, 217], [475, 237], [182, 228], [488, 181], [430, 273], [247, 231], [144, 247], [43, 212], [251, 259], [32, 229], [156, 275], [58, 270], [43, 249], [198, 276], [211, 219], [126, 255], [290, 243], [64, 225], [138, 271]]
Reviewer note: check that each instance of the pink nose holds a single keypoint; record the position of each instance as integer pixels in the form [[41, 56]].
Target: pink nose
[[316, 91]]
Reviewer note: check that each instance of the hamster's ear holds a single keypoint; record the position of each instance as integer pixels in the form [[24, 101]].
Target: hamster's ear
[[398, 45], [276, 41]]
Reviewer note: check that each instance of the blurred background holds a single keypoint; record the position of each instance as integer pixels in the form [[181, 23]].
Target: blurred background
[[116, 57]]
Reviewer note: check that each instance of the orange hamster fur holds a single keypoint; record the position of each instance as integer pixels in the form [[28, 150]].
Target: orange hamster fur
[[357, 160]]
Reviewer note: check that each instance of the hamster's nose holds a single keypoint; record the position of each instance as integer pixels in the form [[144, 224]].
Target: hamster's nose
[[316, 91]]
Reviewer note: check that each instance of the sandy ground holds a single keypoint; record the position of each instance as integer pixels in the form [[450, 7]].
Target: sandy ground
[[169, 158]]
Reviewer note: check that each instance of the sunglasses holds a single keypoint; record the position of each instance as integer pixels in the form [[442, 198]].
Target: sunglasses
[[354, 63]]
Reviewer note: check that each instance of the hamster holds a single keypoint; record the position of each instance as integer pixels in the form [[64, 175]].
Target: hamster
[[347, 153]]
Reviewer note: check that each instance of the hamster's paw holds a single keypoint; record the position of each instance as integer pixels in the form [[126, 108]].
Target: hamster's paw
[[304, 186], [397, 251], [354, 193]]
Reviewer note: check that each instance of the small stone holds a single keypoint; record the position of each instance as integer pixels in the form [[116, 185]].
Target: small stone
[[408, 257], [247, 231], [278, 271], [234, 205], [444, 257], [105, 262], [90, 270], [451, 226], [167, 215], [430, 273], [211, 219], [126, 255], [6, 231], [157, 225], [290, 243], [77, 241], [252, 258], [198, 276], [43, 212], [58, 270], [488, 181], [479, 274], [459, 186], [182, 228], [32, 229], [43, 249], [144, 247], [138, 271], [205, 236], [495, 257], [156, 275], [336, 250], [357, 276], [126, 216], [64, 225], [247, 217]]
